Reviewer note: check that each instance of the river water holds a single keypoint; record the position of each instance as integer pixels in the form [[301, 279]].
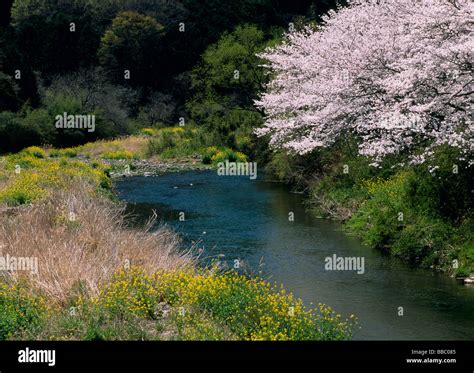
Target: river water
[[235, 218]]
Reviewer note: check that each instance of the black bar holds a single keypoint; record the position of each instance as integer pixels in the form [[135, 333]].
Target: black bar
[[390, 354]]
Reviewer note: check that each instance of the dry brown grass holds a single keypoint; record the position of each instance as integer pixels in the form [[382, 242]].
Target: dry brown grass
[[134, 144], [88, 250]]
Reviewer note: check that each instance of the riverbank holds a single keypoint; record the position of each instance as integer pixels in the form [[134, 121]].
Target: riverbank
[[97, 279], [419, 213], [154, 167], [252, 225], [152, 152]]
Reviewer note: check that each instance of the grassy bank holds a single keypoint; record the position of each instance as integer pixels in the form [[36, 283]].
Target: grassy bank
[[150, 151], [186, 304], [98, 279]]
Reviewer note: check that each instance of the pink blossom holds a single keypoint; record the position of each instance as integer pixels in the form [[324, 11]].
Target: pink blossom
[[396, 73]]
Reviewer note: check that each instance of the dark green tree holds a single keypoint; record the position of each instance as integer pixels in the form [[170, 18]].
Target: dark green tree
[[226, 82], [133, 43], [55, 36]]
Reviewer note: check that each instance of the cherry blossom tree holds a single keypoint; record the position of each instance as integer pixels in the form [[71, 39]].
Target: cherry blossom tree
[[395, 73]]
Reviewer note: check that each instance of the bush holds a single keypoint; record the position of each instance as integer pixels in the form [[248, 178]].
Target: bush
[[8, 93], [214, 155], [399, 220], [377, 220], [68, 152], [157, 146], [35, 151], [27, 128], [175, 142], [444, 187], [208, 153], [185, 305], [19, 309], [159, 110], [25, 188], [422, 240]]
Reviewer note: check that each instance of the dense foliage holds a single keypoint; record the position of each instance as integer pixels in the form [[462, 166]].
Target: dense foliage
[[162, 52]]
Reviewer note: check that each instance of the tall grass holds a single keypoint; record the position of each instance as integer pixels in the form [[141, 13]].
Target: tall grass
[[87, 249]]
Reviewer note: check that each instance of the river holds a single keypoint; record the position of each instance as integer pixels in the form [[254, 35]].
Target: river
[[235, 218]]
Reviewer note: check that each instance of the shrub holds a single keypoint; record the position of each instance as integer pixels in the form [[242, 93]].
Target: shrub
[[158, 111], [163, 141], [68, 152], [208, 153], [444, 187], [190, 305], [377, 219], [215, 155], [24, 188], [19, 309], [393, 220], [54, 153], [420, 239], [35, 151], [175, 142], [27, 128]]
